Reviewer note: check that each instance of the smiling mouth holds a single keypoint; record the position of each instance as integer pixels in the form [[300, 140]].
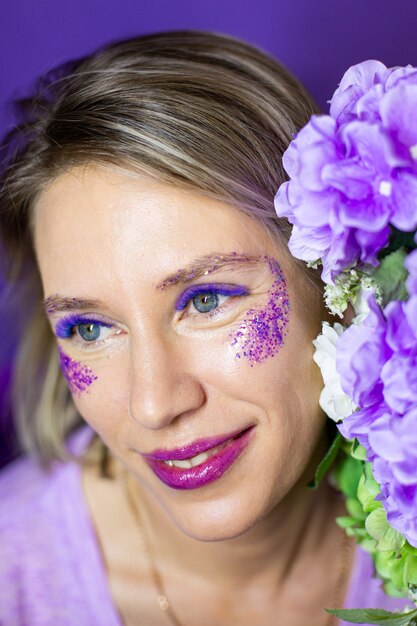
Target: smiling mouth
[[198, 459], [193, 472]]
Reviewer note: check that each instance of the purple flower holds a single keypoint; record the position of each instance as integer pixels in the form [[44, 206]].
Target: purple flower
[[354, 172], [377, 361], [398, 110], [399, 377], [390, 440], [410, 307], [410, 264], [338, 199], [393, 437], [393, 440], [399, 374], [356, 82], [362, 352], [353, 180], [357, 425], [398, 499], [362, 87]]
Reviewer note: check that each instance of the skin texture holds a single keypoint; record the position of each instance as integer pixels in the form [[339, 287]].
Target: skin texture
[[165, 378]]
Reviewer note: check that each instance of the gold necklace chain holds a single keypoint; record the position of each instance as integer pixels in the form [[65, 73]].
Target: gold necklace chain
[[161, 596]]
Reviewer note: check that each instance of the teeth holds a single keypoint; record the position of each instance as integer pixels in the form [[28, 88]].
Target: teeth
[[184, 463], [198, 459]]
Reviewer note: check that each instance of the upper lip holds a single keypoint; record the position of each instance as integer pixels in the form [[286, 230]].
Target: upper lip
[[186, 452]]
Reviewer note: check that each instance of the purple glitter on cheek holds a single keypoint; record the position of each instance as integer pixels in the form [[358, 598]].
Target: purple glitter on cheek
[[79, 376], [262, 333]]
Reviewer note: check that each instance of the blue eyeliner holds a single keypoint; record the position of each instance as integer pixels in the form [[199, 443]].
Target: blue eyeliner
[[65, 326], [214, 288]]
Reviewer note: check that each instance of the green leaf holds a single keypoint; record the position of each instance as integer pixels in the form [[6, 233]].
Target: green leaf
[[355, 509], [346, 521], [360, 533], [391, 590], [370, 483], [391, 275], [409, 549], [386, 537], [326, 462], [375, 616], [390, 567], [358, 451], [348, 474], [366, 494], [410, 570]]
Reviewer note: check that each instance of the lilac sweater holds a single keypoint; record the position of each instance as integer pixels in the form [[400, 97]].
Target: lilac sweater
[[51, 569]]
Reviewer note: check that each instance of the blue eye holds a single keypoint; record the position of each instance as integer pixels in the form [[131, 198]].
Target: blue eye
[[88, 329], [89, 332], [206, 298], [205, 302]]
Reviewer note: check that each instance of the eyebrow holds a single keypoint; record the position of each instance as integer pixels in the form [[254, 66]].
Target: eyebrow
[[205, 265], [202, 266], [55, 303]]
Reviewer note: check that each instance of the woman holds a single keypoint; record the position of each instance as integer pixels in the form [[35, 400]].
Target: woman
[[165, 390]]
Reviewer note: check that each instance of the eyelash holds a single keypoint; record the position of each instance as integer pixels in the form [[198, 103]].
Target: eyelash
[[213, 289], [66, 329], [66, 326]]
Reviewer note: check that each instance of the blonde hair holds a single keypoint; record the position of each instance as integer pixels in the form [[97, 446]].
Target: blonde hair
[[199, 110]]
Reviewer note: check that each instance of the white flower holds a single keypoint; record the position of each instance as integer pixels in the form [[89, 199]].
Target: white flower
[[351, 286], [360, 300], [333, 400], [338, 296]]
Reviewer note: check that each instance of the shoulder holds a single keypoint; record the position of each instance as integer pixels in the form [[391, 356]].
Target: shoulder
[[27, 489], [49, 562]]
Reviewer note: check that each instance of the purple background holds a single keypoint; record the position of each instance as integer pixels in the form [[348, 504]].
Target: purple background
[[316, 39]]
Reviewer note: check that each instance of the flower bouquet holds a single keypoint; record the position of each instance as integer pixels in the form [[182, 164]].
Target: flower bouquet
[[352, 200]]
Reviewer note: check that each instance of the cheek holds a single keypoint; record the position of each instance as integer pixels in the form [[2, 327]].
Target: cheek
[[98, 388], [79, 376], [262, 333]]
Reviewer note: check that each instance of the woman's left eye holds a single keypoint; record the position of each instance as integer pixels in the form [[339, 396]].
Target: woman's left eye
[[89, 332], [206, 302], [208, 298]]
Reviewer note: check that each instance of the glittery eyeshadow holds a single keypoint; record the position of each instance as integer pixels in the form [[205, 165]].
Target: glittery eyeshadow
[[79, 376], [65, 326], [194, 290], [262, 333]]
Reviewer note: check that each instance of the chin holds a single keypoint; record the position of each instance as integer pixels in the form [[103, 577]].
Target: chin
[[217, 521]]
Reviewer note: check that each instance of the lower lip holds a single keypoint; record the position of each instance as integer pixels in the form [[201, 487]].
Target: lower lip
[[207, 472]]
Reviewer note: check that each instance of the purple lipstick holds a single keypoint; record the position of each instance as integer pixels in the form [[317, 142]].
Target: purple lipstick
[[200, 463]]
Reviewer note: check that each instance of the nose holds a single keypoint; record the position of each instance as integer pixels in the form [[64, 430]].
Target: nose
[[161, 387]]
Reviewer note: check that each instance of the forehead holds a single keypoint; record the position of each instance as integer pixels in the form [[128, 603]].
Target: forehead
[[109, 218]]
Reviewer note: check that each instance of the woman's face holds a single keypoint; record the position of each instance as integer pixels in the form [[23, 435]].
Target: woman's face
[[179, 321]]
